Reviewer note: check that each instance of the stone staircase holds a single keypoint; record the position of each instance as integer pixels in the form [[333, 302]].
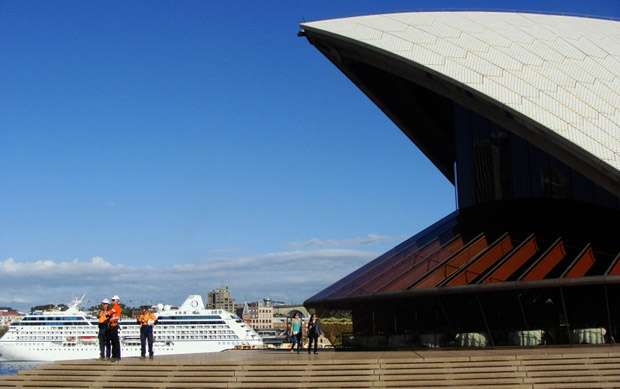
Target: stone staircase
[[549, 369]]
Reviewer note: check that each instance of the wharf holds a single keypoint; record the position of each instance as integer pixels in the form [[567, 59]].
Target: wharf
[[536, 368]]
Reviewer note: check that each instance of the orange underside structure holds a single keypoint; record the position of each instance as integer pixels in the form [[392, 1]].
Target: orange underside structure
[[483, 271], [452, 259]]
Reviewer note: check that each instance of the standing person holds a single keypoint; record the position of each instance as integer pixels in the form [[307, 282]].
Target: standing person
[[115, 315], [146, 319], [314, 331], [104, 338], [296, 335]]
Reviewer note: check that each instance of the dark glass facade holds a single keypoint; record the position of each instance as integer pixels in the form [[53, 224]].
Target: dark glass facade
[[493, 164]]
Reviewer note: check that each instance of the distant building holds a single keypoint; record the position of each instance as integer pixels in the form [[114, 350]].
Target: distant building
[[290, 311], [281, 323], [239, 309], [283, 314], [8, 316], [221, 299], [258, 315]]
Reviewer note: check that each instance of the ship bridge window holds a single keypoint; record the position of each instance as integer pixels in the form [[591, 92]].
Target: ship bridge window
[[192, 317], [188, 322], [45, 318], [49, 323]]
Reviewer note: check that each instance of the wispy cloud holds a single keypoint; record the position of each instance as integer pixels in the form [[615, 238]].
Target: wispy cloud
[[356, 241], [48, 267], [292, 275]]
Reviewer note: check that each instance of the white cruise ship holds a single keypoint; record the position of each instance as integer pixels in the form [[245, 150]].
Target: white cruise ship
[[72, 334]]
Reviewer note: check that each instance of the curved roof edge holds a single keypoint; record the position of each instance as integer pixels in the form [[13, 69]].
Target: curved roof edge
[[554, 80]]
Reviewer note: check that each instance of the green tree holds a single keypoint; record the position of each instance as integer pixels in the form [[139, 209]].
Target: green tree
[[49, 307], [127, 310]]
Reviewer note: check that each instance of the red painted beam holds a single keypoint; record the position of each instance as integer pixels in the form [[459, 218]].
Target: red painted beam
[[413, 275], [369, 271], [374, 284], [614, 269], [360, 283], [405, 266], [582, 263], [547, 262], [520, 255], [444, 270], [479, 265], [380, 267]]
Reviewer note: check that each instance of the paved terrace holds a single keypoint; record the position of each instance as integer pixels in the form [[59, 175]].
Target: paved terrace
[[540, 368]]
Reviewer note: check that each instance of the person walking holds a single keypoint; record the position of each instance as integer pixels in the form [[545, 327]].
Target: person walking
[[115, 316], [104, 338], [314, 331], [146, 319], [296, 335]]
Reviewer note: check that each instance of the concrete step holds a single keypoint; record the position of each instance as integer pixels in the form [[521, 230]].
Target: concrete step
[[512, 371]]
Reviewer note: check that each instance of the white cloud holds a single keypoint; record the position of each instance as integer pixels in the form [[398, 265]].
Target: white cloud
[[292, 276], [47, 267]]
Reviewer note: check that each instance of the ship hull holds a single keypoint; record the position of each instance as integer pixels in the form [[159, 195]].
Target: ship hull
[[49, 351]]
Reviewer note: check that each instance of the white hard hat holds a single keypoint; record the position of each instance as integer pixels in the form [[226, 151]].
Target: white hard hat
[[105, 301], [115, 297]]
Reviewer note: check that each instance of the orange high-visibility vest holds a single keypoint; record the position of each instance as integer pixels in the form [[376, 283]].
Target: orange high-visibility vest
[[103, 316], [115, 315], [146, 317]]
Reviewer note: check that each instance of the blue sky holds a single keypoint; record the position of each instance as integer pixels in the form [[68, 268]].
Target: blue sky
[[195, 144]]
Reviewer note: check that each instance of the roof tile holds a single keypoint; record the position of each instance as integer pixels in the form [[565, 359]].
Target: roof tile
[[561, 71]]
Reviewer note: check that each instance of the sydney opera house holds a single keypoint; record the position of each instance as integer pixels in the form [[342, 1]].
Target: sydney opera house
[[521, 113]]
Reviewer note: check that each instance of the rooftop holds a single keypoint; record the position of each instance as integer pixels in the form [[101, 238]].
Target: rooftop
[[557, 76]]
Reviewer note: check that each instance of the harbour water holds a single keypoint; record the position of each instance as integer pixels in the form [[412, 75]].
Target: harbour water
[[11, 368]]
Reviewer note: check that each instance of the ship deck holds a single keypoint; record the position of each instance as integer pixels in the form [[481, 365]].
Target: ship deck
[[536, 368]]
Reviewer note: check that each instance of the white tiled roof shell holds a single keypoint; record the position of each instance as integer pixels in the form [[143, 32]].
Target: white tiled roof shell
[[561, 71]]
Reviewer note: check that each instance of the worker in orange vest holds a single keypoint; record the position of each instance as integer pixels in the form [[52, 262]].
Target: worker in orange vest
[[146, 319], [104, 336], [115, 316]]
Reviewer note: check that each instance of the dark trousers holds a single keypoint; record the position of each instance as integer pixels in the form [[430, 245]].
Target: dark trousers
[[315, 339], [116, 342], [146, 336], [296, 340], [105, 346], [300, 341]]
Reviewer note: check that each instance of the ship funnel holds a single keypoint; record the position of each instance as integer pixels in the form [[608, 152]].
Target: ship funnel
[[192, 303]]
